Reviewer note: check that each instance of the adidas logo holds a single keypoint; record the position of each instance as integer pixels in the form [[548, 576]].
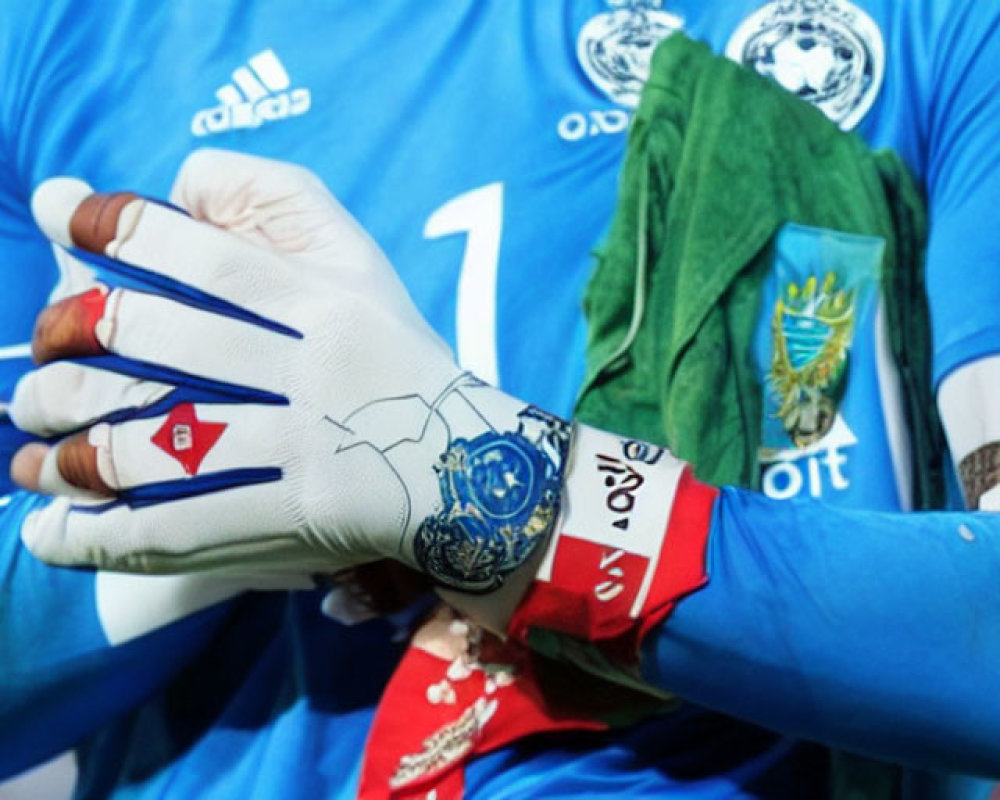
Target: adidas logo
[[259, 93]]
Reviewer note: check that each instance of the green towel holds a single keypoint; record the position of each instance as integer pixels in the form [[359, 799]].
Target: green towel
[[718, 159]]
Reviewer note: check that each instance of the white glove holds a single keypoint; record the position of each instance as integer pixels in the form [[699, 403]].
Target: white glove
[[273, 401]]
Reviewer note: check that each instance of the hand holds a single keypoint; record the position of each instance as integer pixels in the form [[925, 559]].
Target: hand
[[264, 397]]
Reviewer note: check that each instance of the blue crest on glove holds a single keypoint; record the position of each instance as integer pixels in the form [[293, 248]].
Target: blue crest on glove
[[500, 495]]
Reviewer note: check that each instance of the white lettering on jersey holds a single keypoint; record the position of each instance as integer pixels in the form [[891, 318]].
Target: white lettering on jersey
[[577, 125], [12, 351], [811, 471], [259, 93]]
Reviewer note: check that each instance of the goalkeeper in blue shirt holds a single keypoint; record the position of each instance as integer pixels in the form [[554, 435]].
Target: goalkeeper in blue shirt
[[272, 405]]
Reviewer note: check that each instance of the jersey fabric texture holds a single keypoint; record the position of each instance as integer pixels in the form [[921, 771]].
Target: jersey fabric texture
[[480, 144]]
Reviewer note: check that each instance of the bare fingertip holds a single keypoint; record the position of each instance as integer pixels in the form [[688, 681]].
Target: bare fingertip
[[95, 222], [26, 465], [76, 461], [66, 329]]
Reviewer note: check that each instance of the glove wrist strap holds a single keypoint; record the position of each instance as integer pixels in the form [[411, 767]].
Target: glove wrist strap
[[630, 542]]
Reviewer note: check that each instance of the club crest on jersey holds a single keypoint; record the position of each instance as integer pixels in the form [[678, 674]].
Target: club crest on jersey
[[828, 52], [615, 48]]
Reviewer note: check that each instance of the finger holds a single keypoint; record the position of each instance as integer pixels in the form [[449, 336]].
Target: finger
[[74, 462], [275, 203], [26, 465], [66, 329], [67, 469], [53, 204], [159, 453], [64, 397], [284, 207], [162, 246], [158, 331], [71, 214], [222, 532], [96, 222], [190, 441]]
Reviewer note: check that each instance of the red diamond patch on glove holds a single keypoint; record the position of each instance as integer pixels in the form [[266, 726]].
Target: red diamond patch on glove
[[187, 438]]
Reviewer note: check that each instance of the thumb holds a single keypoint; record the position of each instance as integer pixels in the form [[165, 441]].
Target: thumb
[[272, 203], [285, 207]]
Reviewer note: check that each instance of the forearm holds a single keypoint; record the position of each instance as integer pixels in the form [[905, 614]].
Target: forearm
[[389, 450], [873, 632], [971, 418]]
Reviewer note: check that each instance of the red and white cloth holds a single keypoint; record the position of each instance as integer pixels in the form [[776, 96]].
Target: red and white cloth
[[630, 543]]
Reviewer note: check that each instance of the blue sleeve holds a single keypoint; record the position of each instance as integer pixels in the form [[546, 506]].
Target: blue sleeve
[[59, 676], [868, 631], [963, 180]]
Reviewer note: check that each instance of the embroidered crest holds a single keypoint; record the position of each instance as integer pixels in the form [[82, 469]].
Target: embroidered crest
[[812, 329], [615, 48], [500, 494], [819, 301], [828, 52]]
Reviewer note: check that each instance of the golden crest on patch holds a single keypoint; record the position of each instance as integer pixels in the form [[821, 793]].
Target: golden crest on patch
[[812, 328]]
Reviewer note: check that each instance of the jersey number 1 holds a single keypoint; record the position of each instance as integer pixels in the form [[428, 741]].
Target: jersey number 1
[[478, 214]]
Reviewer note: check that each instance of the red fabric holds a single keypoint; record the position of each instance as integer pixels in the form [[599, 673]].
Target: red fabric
[[406, 719], [582, 574], [90, 306], [591, 596], [571, 602], [682, 566]]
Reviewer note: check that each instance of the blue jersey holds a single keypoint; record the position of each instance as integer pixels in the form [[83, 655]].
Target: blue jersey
[[479, 143]]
